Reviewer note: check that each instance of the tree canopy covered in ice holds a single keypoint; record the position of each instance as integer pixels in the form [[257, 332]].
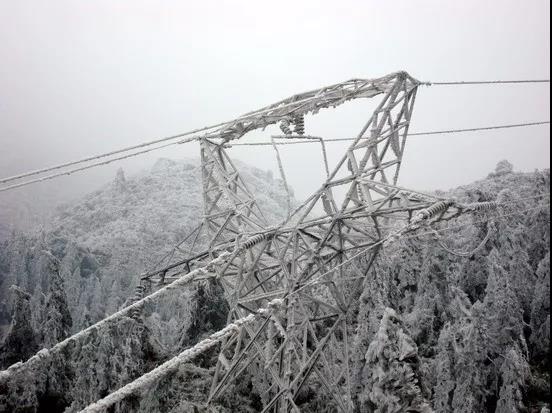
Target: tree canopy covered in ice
[[432, 331]]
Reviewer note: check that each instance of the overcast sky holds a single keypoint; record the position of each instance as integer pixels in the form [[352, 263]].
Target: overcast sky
[[83, 77]]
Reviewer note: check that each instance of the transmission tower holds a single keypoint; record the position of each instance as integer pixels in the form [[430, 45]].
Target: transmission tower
[[312, 264], [307, 343]]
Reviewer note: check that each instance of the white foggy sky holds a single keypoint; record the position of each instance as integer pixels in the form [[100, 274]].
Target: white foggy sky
[[79, 78]]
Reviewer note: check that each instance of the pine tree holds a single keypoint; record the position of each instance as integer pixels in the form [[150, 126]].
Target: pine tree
[[115, 297], [97, 304], [472, 277], [444, 371], [20, 342], [390, 376], [504, 167], [210, 312], [537, 222], [120, 181], [427, 315], [37, 304], [505, 320], [372, 303], [85, 388], [16, 252], [57, 321], [406, 265], [514, 372], [117, 355], [471, 378], [540, 314], [515, 261]]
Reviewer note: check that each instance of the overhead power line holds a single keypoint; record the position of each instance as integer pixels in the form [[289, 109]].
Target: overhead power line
[[83, 168], [122, 150], [182, 141], [485, 82], [438, 132], [104, 155], [181, 135], [236, 121], [483, 128]]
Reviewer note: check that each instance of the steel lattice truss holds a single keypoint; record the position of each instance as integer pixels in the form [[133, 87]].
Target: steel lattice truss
[[309, 260]]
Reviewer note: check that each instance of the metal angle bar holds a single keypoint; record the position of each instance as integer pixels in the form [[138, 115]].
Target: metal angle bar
[[254, 266], [266, 295], [274, 375], [262, 282], [302, 375], [409, 110], [336, 396], [216, 391], [347, 367]]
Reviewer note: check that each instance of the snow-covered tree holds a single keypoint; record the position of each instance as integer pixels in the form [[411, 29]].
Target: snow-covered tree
[[120, 180], [37, 304], [540, 314], [471, 365], [20, 342], [503, 311], [430, 299], [374, 299], [514, 259], [537, 221], [57, 319], [504, 167], [97, 303], [444, 371], [473, 277], [116, 355], [209, 313], [390, 377], [514, 373]]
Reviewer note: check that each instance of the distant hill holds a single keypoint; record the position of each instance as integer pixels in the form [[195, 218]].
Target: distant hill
[[112, 235]]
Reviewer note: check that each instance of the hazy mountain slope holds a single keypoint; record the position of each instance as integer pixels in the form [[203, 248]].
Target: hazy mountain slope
[[155, 210], [109, 237]]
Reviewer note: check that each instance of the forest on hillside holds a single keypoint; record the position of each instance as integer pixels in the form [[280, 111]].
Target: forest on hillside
[[444, 322]]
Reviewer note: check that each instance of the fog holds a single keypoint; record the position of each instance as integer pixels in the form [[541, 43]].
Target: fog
[[80, 78]]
